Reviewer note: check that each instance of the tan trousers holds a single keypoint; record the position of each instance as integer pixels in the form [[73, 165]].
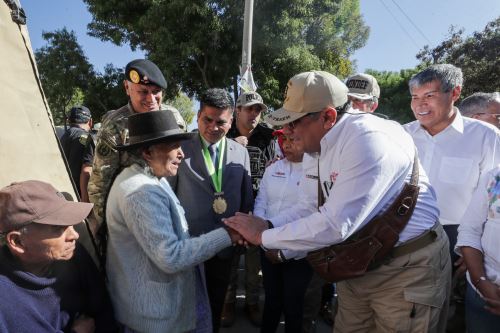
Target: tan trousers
[[409, 294]]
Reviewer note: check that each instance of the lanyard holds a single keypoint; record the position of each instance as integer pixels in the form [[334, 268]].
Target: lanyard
[[216, 175]]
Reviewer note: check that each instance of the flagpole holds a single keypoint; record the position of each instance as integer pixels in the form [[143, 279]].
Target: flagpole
[[246, 53]]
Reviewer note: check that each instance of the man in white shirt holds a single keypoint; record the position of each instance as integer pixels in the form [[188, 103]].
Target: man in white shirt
[[361, 163], [482, 106], [455, 152]]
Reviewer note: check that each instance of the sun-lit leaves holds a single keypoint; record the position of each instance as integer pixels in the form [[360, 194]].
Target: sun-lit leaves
[[197, 43]]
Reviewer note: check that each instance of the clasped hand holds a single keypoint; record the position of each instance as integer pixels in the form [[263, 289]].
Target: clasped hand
[[248, 227]]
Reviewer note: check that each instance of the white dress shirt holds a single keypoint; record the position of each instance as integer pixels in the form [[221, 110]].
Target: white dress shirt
[[454, 159], [279, 191], [480, 225], [279, 188], [363, 165]]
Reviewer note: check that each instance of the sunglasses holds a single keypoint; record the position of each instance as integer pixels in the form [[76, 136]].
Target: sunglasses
[[293, 124]]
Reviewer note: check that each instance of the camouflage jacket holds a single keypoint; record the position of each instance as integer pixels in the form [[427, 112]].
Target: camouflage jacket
[[108, 161]]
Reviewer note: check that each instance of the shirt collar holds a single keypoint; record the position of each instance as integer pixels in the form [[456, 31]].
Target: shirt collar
[[457, 124], [206, 143], [328, 139]]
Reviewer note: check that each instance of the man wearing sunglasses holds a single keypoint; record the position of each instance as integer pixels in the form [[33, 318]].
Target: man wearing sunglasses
[[360, 163]]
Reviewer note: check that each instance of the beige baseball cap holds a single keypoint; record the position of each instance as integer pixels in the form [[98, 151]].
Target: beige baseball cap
[[363, 86], [250, 98], [309, 92]]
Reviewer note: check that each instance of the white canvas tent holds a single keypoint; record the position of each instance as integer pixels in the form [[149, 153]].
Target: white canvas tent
[[29, 148]]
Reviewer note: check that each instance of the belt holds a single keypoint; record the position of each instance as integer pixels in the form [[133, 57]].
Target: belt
[[417, 243]]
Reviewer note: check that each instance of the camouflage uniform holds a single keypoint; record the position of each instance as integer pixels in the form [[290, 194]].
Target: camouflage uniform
[[108, 162]]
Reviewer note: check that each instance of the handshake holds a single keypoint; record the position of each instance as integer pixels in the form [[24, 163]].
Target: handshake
[[245, 229]]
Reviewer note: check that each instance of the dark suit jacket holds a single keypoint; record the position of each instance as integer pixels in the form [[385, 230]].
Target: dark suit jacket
[[195, 190]]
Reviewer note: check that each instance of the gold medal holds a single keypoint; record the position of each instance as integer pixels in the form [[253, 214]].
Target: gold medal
[[220, 205]]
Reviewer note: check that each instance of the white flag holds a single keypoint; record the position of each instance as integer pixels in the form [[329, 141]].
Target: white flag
[[246, 81]]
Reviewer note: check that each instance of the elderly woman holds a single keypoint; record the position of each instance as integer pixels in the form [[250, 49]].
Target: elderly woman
[[478, 243], [155, 280], [285, 281]]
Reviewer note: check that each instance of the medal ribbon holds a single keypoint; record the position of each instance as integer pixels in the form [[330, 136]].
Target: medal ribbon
[[216, 175]]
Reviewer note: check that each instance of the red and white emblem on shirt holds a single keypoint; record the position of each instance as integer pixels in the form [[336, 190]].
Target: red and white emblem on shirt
[[333, 176]]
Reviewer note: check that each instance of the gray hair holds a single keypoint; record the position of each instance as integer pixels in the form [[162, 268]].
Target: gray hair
[[448, 75], [478, 103]]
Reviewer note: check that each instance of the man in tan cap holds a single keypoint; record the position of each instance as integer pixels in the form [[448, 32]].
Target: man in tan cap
[[364, 92], [48, 282], [360, 164]]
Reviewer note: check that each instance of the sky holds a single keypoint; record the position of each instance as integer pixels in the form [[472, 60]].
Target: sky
[[398, 28]]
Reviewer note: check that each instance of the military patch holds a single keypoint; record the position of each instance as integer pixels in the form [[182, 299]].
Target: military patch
[[134, 76], [83, 139], [103, 149]]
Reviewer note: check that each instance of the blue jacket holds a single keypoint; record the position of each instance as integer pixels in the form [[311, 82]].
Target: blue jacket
[[150, 256]]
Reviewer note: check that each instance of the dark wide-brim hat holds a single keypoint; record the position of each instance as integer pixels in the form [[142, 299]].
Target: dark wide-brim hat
[[153, 127]]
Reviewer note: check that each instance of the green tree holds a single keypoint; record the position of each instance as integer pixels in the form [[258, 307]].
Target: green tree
[[64, 71], [185, 106], [106, 92], [476, 55], [395, 96], [197, 43]]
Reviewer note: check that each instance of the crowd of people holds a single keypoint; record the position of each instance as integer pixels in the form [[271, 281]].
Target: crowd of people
[[403, 218]]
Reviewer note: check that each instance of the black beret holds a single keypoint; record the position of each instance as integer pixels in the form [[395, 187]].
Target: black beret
[[143, 71]]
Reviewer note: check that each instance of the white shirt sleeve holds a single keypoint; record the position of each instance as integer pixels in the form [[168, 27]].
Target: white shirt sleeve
[[367, 178], [471, 226]]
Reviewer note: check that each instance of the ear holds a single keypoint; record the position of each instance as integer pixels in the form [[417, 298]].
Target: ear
[[455, 93], [14, 242], [374, 107], [330, 117], [146, 154], [126, 87]]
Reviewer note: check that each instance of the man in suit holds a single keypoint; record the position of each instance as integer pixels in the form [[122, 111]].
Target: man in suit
[[213, 183]]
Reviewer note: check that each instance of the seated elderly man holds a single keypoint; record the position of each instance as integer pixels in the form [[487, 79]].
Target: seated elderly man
[[48, 283]]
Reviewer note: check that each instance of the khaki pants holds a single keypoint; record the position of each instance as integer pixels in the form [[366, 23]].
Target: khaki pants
[[409, 294]]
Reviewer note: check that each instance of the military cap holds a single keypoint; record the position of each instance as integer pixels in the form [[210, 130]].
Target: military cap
[[79, 115], [143, 71]]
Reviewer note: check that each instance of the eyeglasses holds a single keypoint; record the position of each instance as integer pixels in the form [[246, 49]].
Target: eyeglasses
[[361, 101], [293, 124], [496, 115]]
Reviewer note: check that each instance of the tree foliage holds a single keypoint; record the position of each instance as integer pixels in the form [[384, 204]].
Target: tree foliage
[[477, 56], [197, 43], [64, 71], [395, 97], [106, 92], [68, 79], [185, 106]]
